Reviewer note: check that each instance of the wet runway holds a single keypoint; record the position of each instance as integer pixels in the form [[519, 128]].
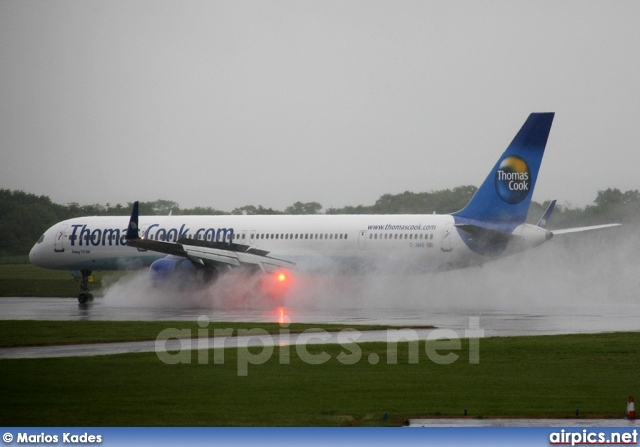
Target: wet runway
[[463, 322], [532, 321]]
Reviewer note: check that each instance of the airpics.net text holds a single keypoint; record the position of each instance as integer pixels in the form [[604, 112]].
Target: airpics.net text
[[257, 346]]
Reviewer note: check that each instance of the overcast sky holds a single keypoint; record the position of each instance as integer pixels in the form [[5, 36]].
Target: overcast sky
[[230, 103]]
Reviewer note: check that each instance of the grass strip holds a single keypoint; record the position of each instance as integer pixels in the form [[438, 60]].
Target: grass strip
[[544, 376]]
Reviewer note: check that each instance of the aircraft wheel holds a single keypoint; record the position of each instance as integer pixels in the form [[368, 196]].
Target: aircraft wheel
[[84, 297]]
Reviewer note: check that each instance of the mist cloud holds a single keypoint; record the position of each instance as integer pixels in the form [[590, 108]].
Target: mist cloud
[[578, 273]]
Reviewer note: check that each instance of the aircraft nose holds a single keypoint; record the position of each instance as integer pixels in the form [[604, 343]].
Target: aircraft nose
[[36, 256], [33, 255]]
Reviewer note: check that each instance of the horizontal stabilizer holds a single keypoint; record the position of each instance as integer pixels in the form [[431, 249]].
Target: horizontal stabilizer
[[581, 229]]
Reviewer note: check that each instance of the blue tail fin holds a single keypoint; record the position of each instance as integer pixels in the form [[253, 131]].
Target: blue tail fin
[[502, 202]]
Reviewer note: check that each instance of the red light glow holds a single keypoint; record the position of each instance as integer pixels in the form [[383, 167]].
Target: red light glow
[[282, 316], [276, 284]]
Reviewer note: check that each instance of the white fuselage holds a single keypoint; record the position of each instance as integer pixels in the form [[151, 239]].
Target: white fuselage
[[418, 243]]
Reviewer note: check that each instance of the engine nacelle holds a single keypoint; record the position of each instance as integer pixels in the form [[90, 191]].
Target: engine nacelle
[[527, 236], [179, 273], [172, 269]]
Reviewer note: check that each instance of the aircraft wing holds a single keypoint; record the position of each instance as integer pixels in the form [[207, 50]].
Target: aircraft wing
[[580, 229], [205, 252]]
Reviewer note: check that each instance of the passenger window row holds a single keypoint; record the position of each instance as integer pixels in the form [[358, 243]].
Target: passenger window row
[[289, 236], [400, 236], [301, 236], [307, 236]]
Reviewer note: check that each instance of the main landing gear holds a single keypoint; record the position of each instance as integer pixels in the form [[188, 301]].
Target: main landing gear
[[85, 295]]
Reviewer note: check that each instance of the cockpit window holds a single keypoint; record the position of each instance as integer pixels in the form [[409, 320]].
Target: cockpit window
[[41, 239]]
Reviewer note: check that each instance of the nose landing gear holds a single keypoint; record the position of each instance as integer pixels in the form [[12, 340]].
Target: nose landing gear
[[84, 295]]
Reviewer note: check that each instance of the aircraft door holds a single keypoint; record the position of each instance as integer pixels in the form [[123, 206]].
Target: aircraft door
[[446, 237], [60, 237], [252, 238], [362, 240]]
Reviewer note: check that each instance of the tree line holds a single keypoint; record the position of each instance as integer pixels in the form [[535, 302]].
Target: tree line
[[24, 216]]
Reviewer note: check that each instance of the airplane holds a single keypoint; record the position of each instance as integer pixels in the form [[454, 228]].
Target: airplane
[[492, 225]]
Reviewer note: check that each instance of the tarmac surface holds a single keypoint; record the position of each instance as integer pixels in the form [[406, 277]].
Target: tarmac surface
[[460, 322], [550, 321]]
